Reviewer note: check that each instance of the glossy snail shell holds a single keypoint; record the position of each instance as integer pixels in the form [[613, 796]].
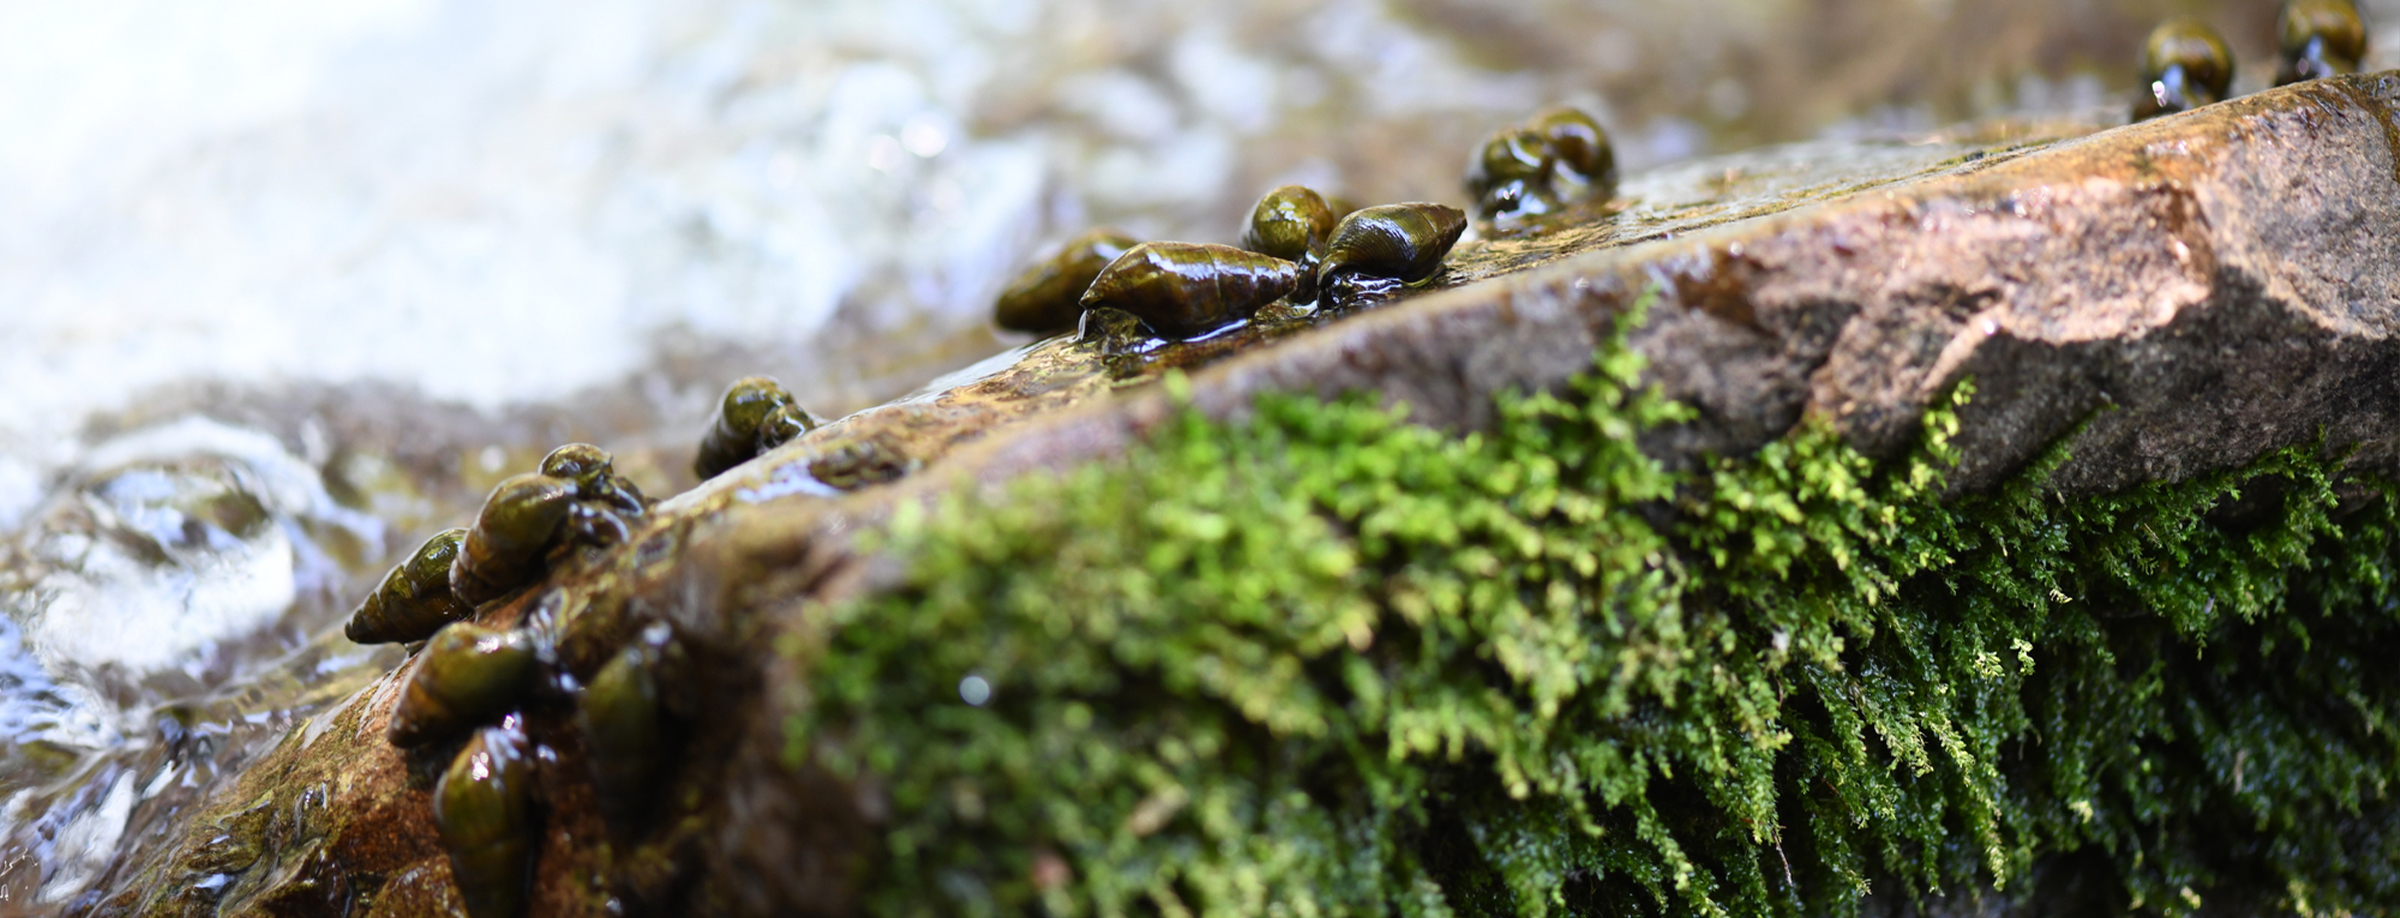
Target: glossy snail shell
[[1181, 289], [1047, 296], [1402, 242], [2319, 38], [2185, 65], [505, 548], [1579, 145], [483, 810], [581, 463], [1556, 158], [732, 437], [593, 471], [1292, 222], [784, 424], [414, 599], [1511, 155], [621, 720], [467, 676]]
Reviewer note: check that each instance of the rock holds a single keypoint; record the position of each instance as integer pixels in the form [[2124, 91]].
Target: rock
[[2193, 291]]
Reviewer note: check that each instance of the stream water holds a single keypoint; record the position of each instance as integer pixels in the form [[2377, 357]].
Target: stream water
[[285, 286]]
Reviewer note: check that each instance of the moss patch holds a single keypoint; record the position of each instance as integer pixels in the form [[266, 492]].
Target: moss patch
[[1325, 662]]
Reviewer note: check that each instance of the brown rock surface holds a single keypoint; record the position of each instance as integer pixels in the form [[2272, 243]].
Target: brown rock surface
[[2221, 281]]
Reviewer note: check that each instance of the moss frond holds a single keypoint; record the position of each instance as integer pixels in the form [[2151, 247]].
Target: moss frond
[[1327, 662]]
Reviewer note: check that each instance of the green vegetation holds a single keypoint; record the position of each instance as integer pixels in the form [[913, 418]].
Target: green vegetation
[[1324, 662]]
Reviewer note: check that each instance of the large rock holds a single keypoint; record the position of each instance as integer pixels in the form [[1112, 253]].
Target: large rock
[[2195, 290]]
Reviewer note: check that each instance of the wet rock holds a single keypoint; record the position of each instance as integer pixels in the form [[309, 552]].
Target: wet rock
[[2179, 296]]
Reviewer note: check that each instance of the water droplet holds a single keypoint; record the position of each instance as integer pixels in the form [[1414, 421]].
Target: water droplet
[[974, 691]]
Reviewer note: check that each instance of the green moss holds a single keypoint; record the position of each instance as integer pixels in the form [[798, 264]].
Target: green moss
[[1325, 662]]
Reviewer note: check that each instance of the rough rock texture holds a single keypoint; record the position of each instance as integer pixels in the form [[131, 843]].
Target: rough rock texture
[[2199, 289]]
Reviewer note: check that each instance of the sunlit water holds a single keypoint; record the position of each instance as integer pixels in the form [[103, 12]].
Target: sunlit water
[[285, 285]]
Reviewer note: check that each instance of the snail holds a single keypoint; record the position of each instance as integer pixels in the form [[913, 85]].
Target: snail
[[2319, 38], [594, 474], [623, 726], [1293, 223], [1558, 157], [1584, 163], [1506, 175], [483, 810], [467, 676], [1182, 289], [2184, 66], [1388, 245], [1045, 298], [524, 517], [783, 424], [414, 600], [740, 430]]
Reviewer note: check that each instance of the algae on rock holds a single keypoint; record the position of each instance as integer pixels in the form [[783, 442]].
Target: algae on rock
[[1323, 661]]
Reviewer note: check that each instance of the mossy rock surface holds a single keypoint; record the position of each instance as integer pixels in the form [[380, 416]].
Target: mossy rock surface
[[2008, 526]]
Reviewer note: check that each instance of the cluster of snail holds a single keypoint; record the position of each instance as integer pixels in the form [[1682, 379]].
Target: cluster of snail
[[1297, 248], [1557, 158], [477, 681], [1303, 248], [2185, 64], [575, 499]]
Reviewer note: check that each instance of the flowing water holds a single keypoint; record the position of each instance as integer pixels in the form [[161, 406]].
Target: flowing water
[[285, 286]]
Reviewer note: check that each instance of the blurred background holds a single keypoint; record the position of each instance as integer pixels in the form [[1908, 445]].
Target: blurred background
[[285, 285]]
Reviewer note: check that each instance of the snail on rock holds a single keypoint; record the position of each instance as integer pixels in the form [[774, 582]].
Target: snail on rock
[[625, 727], [756, 415], [1376, 249], [1047, 297], [524, 518], [2319, 38], [1556, 159], [2184, 66], [1293, 223], [467, 676], [1183, 289], [483, 810], [414, 600]]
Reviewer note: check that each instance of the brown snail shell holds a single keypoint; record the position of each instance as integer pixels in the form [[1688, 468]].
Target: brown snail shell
[[581, 463], [1556, 158], [2319, 38], [525, 516], [1292, 222], [414, 599], [732, 437], [1047, 296], [784, 424], [2185, 65], [467, 676], [1507, 175], [1399, 242], [594, 473], [1181, 289], [483, 810], [622, 723], [1579, 147]]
